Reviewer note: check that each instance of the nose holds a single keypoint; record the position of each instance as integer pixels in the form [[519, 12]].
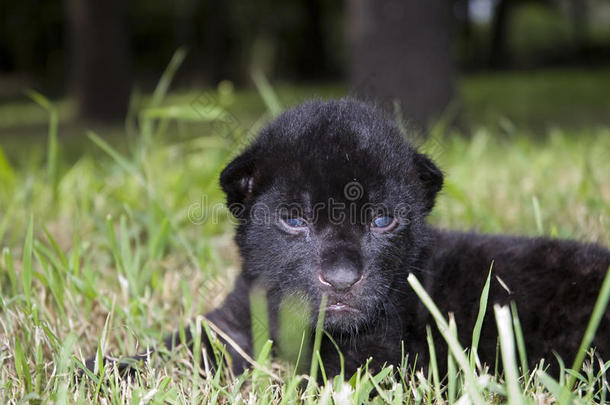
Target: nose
[[341, 268], [340, 279]]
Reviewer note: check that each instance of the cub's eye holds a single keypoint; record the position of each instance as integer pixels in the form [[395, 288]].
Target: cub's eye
[[294, 222], [383, 223]]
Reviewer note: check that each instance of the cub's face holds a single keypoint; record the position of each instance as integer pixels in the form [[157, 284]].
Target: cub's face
[[331, 201]]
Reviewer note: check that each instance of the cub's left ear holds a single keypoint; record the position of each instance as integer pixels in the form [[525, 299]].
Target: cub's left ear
[[238, 181], [431, 179]]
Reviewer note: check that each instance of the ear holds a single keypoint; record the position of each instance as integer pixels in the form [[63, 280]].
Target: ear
[[238, 181], [430, 177]]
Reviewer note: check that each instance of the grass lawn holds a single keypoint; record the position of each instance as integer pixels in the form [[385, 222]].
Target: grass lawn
[[116, 244]]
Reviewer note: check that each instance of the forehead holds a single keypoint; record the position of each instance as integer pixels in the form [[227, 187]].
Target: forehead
[[332, 167], [309, 188], [313, 154]]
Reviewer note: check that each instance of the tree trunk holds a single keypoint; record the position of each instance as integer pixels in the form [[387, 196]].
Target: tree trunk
[[498, 53], [312, 63], [579, 14], [100, 58], [401, 50]]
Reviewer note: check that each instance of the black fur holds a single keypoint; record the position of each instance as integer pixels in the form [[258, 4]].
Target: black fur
[[344, 154], [305, 159]]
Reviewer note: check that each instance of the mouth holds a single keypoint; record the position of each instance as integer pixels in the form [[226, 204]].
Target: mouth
[[341, 317], [340, 307]]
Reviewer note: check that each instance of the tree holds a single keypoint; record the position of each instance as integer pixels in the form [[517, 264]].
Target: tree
[[401, 49], [99, 58], [498, 53]]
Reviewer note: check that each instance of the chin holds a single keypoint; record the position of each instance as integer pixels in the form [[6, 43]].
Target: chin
[[343, 319]]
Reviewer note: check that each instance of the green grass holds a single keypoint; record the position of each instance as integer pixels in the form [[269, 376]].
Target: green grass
[[537, 101], [123, 242]]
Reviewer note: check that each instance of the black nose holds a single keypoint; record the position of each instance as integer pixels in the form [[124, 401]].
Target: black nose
[[340, 278], [341, 267]]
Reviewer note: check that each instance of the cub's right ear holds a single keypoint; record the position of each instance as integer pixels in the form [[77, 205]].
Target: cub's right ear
[[430, 177], [238, 181]]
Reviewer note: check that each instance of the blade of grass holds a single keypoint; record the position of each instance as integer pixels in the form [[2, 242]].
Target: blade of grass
[[452, 375], [520, 340], [434, 366], [8, 176], [556, 389], [8, 181], [114, 248], [478, 326], [55, 245], [54, 279], [26, 271], [321, 367], [159, 241], [197, 357], [239, 350], [399, 395], [598, 312], [116, 156], [185, 113], [603, 380], [291, 392], [259, 320], [61, 377], [376, 381], [167, 76], [52, 146], [147, 127], [472, 385], [341, 358], [267, 93], [537, 215], [9, 266], [313, 371], [21, 366], [293, 327], [298, 360], [507, 350], [75, 258]]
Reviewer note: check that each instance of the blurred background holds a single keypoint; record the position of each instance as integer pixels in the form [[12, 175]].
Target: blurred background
[[534, 63]]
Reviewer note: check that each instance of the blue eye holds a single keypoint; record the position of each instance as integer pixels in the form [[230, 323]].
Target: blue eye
[[383, 222], [294, 222]]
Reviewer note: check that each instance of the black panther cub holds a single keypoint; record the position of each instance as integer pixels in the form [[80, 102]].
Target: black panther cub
[[332, 200]]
